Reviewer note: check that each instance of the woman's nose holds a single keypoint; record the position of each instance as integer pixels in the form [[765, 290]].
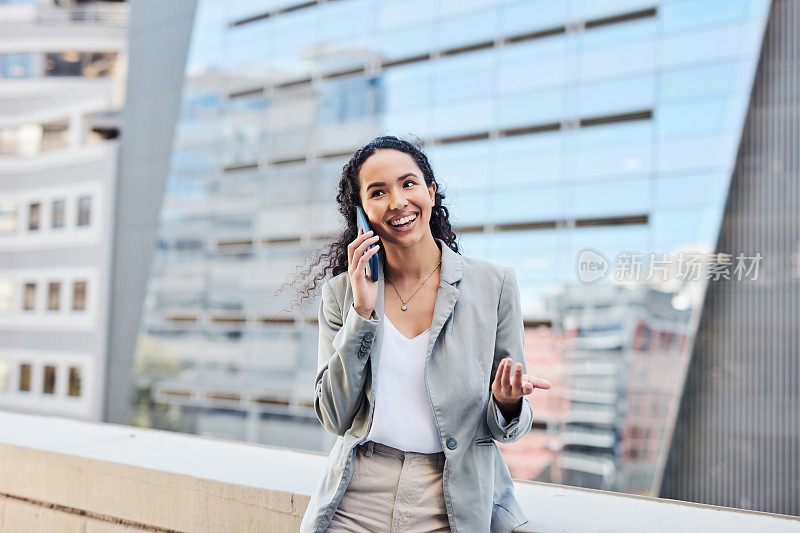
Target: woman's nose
[[397, 202]]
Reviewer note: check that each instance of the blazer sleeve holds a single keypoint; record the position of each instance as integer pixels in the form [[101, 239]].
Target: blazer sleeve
[[509, 342], [501, 420], [343, 351]]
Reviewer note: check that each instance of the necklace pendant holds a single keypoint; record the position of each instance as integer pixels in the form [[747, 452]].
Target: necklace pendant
[[404, 307]]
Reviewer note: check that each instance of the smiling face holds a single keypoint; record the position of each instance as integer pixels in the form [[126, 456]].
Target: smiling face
[[393, 190]]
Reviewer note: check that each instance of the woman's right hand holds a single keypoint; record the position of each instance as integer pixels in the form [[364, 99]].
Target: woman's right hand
[[365, 291]]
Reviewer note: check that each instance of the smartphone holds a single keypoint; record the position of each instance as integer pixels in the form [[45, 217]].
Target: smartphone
[[363, 224]]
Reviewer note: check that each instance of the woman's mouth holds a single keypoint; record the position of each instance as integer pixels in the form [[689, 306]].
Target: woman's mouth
[[405, 223]]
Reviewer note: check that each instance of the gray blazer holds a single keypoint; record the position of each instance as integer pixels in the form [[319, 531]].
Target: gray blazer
[[477, 321]]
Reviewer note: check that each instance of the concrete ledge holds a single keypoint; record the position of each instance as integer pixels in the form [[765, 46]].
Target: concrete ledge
[[65, 475]]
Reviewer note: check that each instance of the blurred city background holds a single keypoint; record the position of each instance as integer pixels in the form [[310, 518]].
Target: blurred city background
[[166, 167]]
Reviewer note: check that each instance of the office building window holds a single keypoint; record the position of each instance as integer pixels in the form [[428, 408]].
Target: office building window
[[79, 296], [34, 212], [49, 383], [25, 377], [74, 381], [84, 64], [54, 296], [29, 302], [8, 218], [58, 213], [21, 65], [5, 370], [84, 210]]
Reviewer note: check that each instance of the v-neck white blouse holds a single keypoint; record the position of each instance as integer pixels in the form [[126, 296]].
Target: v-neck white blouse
[[402, 417]]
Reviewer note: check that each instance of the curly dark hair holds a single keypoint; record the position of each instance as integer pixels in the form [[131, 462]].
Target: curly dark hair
[[334, 259]]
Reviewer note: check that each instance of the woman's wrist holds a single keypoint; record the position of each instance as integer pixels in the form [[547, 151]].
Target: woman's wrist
[[364, 313], [509, 410]]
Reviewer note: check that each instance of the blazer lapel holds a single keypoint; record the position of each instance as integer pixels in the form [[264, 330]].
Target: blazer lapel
[[448, 293], [377, 343]]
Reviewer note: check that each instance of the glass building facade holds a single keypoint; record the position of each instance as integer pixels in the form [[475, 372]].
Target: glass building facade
[[555, 127]]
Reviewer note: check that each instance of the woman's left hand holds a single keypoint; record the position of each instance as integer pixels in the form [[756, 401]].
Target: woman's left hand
[[510, 386]]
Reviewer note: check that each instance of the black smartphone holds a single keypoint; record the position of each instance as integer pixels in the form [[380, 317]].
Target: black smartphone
[[363, 224]]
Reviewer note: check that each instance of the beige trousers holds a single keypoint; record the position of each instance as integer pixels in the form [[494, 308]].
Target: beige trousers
[[393, 491]]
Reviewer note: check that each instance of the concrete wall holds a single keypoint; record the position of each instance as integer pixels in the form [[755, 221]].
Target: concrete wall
[[55, 492], [58, 474], [159, 35]]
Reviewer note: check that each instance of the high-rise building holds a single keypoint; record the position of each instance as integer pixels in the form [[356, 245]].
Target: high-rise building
[[62, 71], [565, 133], [621, 354], [737, 438]]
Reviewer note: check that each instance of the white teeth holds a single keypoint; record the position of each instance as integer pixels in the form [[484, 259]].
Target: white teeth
[[403, 220]]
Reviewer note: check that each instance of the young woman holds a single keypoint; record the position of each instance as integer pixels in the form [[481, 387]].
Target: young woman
[[419, 372]]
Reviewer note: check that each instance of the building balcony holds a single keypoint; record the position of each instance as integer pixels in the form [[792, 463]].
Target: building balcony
[[600, 342], [598, 465], [590, 396], [84, 159], [59, 474], [602, 415], [54, 99], [41, 28], [591, 439], [594, 368]]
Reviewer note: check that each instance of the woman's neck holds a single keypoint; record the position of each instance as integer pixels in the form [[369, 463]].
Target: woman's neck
[[414, 263]]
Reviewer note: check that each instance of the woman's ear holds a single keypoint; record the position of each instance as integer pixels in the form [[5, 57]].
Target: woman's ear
[[432, 191]]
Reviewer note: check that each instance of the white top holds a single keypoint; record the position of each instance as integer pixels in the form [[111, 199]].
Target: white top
[[402, 417]]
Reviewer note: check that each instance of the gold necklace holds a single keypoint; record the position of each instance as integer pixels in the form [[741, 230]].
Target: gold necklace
[[404, 306]]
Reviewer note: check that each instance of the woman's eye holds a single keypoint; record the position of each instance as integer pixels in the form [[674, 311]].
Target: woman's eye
[[375, 193]]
